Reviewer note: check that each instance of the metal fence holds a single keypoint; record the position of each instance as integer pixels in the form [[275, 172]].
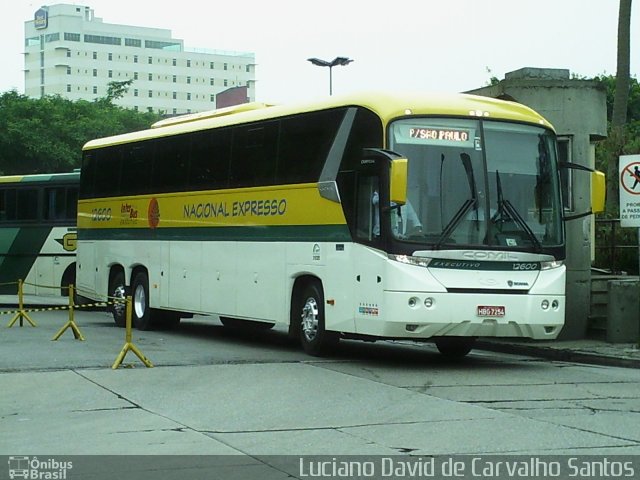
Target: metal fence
[[616, 248]]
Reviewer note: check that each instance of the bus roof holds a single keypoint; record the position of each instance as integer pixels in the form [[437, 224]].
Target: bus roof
[[42, 177], [387, 106]]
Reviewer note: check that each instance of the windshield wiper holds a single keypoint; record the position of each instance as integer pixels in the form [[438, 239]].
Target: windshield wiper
[[466, 206], [506, 211], [453, 223]]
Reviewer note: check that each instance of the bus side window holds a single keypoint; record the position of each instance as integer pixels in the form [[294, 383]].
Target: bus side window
[[368, 209], [72, 203]]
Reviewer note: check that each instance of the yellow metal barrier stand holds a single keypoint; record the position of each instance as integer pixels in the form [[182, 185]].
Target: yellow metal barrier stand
[[22, 314], [128, 344], [71, 323]]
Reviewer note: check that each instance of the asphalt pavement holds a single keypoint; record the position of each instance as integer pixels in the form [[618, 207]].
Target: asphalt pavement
[[68, 386]]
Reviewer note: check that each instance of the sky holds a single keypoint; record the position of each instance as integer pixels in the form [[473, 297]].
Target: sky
[[429, 45]]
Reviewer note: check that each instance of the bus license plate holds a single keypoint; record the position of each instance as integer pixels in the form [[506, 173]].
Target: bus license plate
[[491, 311]]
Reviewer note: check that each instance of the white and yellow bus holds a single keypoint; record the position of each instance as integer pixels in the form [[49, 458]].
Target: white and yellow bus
[[373, 216]]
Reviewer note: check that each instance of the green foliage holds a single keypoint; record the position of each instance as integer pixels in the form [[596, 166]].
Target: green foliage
[[633, 107], [46, 135], [616, 247]]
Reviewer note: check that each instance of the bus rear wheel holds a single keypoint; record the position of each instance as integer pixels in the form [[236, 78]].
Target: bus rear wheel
[[455, 347], [117, 296], [308, 314], [141, 312]]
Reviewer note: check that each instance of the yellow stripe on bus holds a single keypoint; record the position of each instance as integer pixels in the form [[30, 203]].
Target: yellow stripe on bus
[[264, 206]]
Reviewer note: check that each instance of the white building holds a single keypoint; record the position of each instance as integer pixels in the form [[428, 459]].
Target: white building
[[72, 53]]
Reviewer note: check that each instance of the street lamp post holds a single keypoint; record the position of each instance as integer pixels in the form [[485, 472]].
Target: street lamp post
[[336, 61]]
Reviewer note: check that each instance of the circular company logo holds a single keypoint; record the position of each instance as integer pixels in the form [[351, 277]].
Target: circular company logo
[[153, 213]]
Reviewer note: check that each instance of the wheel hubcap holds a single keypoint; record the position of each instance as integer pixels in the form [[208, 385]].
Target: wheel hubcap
[[310, 319], [139, 301], [119, 306]]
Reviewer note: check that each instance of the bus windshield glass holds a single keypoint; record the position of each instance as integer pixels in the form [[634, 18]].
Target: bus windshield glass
[[478, 183]]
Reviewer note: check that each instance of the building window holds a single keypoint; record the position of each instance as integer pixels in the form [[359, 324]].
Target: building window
[[188, 63], [132, 42], [68, 70], [211, 65], [110, 73], [150, 77], [68, 53], [95, 90], [72, 37], [248, 69], [175, 95], [175, 111], [150, 93], [150, 60], [135, 59], [225, 66], [102, 39], [175, 78], [188, 96], [188, 79], [95, 55], [110, 56], [95, 72], [135, 75], [225, 82], [135, 92], [174, 62], [212, 98], [68, 87]]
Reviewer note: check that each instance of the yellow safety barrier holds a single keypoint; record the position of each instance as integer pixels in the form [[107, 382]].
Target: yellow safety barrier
[[71, 323], [21, 313], [129, 346]]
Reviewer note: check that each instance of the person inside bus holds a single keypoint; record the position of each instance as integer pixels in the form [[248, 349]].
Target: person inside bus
[[404, 220]]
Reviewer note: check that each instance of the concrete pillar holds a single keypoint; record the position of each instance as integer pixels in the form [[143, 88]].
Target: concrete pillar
[[623, 311]]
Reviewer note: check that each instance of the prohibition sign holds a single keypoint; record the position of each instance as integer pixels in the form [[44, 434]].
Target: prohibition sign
[[630, 178]]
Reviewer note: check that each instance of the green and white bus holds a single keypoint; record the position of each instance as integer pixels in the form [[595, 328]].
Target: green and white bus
[[38, 234], [372, 216]]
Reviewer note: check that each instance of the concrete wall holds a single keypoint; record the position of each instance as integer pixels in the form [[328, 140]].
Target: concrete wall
[[578, 111]]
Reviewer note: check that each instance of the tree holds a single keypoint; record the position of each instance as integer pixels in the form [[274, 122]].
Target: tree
[[116, 90], [46, 135], [619, 114]]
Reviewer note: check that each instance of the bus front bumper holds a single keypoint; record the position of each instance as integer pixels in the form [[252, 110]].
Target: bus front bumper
[[419, 315]]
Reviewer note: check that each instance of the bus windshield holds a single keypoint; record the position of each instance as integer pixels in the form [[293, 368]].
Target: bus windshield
[[478, 183]]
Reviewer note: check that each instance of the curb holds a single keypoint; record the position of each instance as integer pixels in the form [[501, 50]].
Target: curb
[[559, 354]]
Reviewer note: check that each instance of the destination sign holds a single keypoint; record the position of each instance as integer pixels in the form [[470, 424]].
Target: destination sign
[[445, 134]]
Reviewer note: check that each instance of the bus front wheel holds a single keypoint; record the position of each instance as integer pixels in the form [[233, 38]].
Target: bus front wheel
[[308, 314], [455, 347], [141, 313]]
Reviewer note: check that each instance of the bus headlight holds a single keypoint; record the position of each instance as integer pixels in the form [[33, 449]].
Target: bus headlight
[[551, 265], [428, 302], [545, 304], [409, 260]]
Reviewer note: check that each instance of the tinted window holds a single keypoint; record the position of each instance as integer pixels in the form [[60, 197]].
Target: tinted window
[[171, 164], [305, 141], [106, 174], [60, 203], [254, 155], [19, 204], [136, 168], [209, 166]]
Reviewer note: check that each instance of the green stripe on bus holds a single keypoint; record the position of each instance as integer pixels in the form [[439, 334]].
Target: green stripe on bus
[[289, 233], [22, 246]]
